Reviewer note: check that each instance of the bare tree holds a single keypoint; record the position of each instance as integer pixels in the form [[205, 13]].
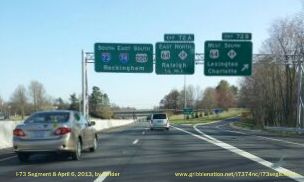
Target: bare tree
[[190, 97], [37, 94], [19, 100], [271, 92], [1, 104]]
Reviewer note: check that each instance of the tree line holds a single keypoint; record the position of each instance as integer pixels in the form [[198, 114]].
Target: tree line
[[271, 92], [25, 101], [222, 96]]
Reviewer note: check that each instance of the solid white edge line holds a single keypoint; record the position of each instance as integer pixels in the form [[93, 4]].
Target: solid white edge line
[[7, 158], [103, 176], [219, 127], [286, 172], [267, 138], [283, 141], [135, 141]]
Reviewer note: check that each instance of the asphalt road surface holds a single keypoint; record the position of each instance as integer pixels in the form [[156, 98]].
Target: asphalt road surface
[[214, 152]]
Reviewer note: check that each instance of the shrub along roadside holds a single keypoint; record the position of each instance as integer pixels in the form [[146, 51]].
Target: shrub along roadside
[[233, 112]]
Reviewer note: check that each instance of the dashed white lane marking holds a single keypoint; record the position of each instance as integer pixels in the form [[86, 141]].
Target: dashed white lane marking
[[143, 132], [286, 172], [135, 141], [103, 176], [7, 158]]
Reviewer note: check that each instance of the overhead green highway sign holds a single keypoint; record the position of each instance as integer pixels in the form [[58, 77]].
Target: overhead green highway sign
[[174, 58], [228, 58], [236, 36], [123, 58], [179, 37]]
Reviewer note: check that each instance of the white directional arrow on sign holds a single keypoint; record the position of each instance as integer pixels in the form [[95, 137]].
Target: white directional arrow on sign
[[245, 66], [231, 54], [183, 55]]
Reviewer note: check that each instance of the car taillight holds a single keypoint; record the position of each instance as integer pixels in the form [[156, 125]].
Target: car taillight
[[62, 131], [18, 132]]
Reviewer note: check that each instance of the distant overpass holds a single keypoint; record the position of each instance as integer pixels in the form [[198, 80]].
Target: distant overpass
[[146, 112]]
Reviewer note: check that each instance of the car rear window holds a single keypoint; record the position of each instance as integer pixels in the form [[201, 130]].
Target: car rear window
[[159, 116], [48, 118]]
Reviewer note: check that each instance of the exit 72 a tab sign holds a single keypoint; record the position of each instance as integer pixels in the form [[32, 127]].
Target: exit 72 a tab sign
[[123, 58], [228, 58]]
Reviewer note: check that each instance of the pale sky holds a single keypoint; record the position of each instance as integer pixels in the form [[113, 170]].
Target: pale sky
[[42, 40]]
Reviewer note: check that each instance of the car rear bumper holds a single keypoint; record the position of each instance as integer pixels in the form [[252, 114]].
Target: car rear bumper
[[159, 126], [51, 145]]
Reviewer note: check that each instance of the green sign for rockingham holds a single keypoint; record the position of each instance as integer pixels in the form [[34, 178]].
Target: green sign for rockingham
[[123, 58], [174, 58], [228, 58]]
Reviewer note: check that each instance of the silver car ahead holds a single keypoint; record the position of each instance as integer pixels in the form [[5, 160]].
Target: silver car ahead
[[159, 121], [60, 131]]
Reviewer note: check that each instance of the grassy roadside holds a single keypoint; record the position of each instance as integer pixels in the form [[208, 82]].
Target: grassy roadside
[[246, 124], [179, 119], [249, 124]]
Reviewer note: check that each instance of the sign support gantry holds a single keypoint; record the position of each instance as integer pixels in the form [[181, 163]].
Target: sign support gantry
[[292, 60]]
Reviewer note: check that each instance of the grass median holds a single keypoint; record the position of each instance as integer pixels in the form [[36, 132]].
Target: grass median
[[179, 119]]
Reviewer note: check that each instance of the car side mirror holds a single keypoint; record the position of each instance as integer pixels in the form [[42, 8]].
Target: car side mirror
[[92, 123]]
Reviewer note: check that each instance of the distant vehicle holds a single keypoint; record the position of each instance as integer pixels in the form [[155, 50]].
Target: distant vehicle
[[159, 121], [61, 131], [218, 110]]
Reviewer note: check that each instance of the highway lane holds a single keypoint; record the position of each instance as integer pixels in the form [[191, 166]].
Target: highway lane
[[137, 154], [286, 151], [115, 147]]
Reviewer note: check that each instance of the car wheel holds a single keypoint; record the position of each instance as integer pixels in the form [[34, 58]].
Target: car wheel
[[167, 129], [77, 153], [95, 144], [23, 157]]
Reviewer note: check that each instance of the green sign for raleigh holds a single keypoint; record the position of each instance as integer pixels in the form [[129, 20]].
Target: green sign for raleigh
[[174, 58]]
